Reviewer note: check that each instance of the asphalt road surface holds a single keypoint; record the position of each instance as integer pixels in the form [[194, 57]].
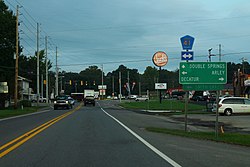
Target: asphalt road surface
[[106, 135]]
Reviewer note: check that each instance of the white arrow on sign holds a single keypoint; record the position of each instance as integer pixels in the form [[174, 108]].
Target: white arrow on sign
[[221, 79], [187, 56], [184, 72], [183, 66]]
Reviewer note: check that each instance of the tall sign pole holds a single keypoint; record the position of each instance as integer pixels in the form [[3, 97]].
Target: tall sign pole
[[187, 44], [16, 66], [160, 59]]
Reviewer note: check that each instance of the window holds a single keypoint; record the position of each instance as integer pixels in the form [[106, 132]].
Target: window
[[233, 101], [247, 101]]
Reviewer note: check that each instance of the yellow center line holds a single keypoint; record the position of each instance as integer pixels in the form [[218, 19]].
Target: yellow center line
[[25, 137]]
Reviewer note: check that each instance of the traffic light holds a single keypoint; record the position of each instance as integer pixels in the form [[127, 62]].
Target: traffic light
[[94, 83], [86, 83], [81, 82], [70, 82]]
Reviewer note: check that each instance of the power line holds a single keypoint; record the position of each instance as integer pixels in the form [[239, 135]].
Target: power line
[[155, 24], [143, 60]]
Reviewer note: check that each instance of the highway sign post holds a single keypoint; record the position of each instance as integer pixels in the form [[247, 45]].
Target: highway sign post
[[187, 44], [160, 59], [203, 73]]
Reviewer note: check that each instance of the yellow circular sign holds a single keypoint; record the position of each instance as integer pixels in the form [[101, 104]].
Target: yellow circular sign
[[160, 59]]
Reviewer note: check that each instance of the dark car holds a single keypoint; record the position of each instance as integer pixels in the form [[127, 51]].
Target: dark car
[[62, 101], [71, 100], [89, 100], [198, 98]]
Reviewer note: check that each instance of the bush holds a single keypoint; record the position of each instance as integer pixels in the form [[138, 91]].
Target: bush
[[25, 103]]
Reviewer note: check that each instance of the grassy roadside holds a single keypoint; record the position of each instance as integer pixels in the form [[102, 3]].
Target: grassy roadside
[[173, 105], [231, 138], [12, 112]]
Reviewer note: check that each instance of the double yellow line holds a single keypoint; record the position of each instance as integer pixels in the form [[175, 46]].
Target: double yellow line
[[12, 145]]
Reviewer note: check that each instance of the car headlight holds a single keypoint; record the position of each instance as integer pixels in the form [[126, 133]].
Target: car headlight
[[54, 102], [67, 102]]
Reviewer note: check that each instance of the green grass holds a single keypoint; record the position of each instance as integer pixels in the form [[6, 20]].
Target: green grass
[[231, 138], [174, 105], [12, 112]]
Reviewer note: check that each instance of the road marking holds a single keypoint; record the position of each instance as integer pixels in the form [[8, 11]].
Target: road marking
[[158, 152], [12, 145]]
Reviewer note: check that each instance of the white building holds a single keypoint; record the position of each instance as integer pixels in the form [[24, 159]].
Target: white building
[[24, 88]]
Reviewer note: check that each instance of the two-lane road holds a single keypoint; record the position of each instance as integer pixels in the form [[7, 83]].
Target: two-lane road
[[105, 135], [87, 137]]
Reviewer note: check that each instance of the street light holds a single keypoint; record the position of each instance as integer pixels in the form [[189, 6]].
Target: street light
[[243, 59], [209, 54]]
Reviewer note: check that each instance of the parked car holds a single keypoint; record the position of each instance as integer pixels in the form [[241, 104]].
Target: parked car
[[41, 99], [62, 101], [132, 96], [178, 95], [231, 105], [198, 98], [71, 100], [224, 96], [142, 98]]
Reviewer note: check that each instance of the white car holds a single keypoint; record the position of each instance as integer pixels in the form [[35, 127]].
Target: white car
[[230, 105], [142, 98]]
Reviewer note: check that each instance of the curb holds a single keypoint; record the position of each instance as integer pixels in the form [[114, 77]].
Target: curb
[[25, 115]]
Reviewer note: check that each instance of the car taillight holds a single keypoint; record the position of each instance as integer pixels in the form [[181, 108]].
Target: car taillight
[[219, 105]]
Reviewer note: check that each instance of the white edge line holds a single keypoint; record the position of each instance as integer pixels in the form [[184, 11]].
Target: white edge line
[[158, 152]]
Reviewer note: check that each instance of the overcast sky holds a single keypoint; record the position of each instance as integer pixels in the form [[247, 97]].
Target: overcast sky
[[130, 32]]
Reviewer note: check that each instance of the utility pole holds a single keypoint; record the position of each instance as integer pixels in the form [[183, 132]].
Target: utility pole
[[139, 88], [56, 86], [41, 85], [113, 86], [47, 77], [120, 86], [37, 67], [16, 66], [102, 81], [129, 93], [219, 52]]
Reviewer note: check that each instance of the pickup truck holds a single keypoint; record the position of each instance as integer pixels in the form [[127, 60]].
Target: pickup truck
[[142, 98], [89, 100], [62, 101]]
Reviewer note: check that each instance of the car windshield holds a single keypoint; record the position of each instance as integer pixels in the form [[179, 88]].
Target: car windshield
[[89, 97], [61, 98]]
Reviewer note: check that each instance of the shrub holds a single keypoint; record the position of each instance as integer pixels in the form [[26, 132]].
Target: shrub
[[25, 103]]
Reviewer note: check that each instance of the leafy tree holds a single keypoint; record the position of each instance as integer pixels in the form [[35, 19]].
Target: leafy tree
[[91, 77], [7, 45], [133, 78], [28, 67], [149, 78]]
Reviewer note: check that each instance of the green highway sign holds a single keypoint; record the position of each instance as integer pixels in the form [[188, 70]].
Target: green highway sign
[[200, 87], [203, 73]]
